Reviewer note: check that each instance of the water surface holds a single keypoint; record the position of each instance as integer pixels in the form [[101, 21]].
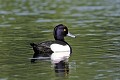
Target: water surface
[[95, 50]]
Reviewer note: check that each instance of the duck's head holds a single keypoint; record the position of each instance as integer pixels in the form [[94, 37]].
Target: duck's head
[[60, 31]]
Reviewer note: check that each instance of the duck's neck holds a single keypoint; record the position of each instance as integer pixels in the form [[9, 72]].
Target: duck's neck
[[60, 39]]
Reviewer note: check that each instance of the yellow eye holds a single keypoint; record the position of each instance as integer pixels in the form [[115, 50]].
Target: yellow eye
[[64, 29]]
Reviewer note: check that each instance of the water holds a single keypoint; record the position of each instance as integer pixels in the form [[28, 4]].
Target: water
[[95, 50]]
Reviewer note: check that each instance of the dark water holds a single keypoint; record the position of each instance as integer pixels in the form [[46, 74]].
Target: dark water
[[96, 50]]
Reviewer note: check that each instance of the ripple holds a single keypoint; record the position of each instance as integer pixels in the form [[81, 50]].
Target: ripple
[[116, 38], [88, 8], [43, 20], [74, 77], [111, 56], [49, 20], [47, 31], [17, 27], [77, 15], [113, 33], [5, 12], [3, 78], [99, 76], [26, 13], [48, 11], [5, 25], [87, 21]]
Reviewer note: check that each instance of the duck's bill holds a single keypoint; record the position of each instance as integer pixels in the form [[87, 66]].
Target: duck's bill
[[71, 35]]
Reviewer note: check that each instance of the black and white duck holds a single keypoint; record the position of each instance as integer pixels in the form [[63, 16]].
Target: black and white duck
[[57, 50]]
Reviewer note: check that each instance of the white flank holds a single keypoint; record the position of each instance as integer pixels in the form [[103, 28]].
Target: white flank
[[60, 53]]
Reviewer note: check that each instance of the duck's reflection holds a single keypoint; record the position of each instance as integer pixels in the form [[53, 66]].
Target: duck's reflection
[[61, 69]]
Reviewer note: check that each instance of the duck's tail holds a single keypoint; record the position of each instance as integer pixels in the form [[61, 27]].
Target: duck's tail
[[36, 52], [32, 44], [35, 47]]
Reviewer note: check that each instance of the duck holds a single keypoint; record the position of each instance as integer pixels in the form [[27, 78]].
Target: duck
[[57, 50]]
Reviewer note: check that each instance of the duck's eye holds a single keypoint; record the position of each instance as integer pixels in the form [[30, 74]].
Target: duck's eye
[[64, 29]]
